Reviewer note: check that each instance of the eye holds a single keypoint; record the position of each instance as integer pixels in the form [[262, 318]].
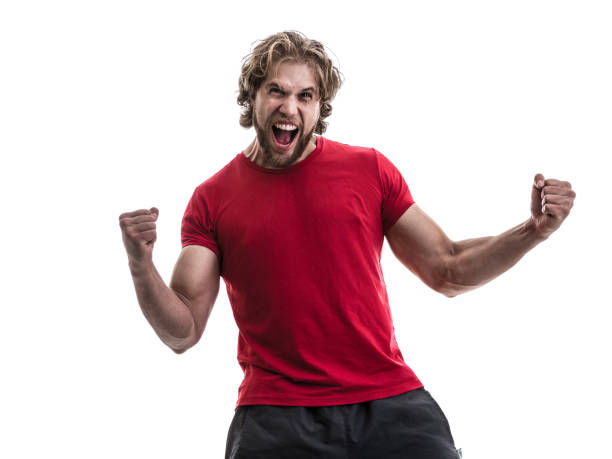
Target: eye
[[306, 95], [275, 91]]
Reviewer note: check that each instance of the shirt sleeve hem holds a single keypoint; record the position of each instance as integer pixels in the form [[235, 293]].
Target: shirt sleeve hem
[[208, 245], [397, 213]]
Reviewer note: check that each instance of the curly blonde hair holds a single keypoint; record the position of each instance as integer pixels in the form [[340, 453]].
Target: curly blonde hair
[[287, 46]]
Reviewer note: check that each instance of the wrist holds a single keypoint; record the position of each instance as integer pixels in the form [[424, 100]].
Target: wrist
[[140, 267], [532, 228]]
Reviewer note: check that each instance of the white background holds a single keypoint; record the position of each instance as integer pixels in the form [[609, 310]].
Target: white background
[[107, 107]]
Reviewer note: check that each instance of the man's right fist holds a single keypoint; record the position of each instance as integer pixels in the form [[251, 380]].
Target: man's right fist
[[139, 234]]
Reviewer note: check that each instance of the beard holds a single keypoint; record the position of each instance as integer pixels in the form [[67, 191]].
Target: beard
[[275, 160]]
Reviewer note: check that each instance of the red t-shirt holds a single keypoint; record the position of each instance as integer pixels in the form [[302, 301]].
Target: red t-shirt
[[299, 251]]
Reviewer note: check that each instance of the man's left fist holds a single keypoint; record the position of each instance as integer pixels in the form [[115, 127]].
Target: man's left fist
[[551, 201]]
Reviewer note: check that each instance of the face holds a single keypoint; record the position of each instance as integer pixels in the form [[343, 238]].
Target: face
[[285, 113]]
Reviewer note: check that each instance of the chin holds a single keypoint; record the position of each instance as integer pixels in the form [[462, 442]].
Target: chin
[[277, 155], [281, 159]]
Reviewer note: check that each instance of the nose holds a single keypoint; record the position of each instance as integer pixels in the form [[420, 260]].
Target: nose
[[289, 108]]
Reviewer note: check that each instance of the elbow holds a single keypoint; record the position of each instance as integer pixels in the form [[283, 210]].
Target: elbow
[[179, 350], [443, 286], [447, 289], [449, 293], [452, 282], [444, 280], [180, 347]]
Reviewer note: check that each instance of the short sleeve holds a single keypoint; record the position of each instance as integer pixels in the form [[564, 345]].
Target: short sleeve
[[396, 196], [197, 227]]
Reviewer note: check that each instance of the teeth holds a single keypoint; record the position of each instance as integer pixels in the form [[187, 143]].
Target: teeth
[[285, 127]]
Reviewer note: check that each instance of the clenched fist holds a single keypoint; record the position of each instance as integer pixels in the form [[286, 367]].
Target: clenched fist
[[551, 202], [139, 233]]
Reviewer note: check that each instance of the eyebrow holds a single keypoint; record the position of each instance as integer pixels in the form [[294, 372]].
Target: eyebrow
[[276, 85]]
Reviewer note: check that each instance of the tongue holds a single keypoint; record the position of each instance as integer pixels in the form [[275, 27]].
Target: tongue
[[283, 137]]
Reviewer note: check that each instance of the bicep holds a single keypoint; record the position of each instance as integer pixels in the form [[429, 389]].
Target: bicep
[[195, 280], [421, 245]]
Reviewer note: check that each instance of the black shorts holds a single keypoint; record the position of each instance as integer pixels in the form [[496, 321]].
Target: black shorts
[[410, 425]]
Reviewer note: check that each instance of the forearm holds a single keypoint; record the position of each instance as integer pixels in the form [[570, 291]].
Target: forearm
[[168, 315], [475, 262]]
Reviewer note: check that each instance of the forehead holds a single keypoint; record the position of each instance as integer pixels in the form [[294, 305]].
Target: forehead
[[291, 75]]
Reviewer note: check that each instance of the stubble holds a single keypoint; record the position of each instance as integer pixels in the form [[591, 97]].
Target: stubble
[[272, 159]]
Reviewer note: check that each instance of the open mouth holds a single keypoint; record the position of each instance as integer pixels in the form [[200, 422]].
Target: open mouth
[[284, 133]]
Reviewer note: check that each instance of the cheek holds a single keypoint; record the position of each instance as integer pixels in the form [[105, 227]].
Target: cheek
[[315, 117], [266, 111], [259, 108]]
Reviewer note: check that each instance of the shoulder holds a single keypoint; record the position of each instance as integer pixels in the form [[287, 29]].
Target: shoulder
[[361, 157], [348, 149], [357, 156], [219, 179]]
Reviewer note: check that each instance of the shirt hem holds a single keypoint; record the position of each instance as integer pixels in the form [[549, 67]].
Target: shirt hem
[[334, 400]]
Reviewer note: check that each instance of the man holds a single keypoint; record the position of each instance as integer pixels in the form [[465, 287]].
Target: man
[[295, 225]]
